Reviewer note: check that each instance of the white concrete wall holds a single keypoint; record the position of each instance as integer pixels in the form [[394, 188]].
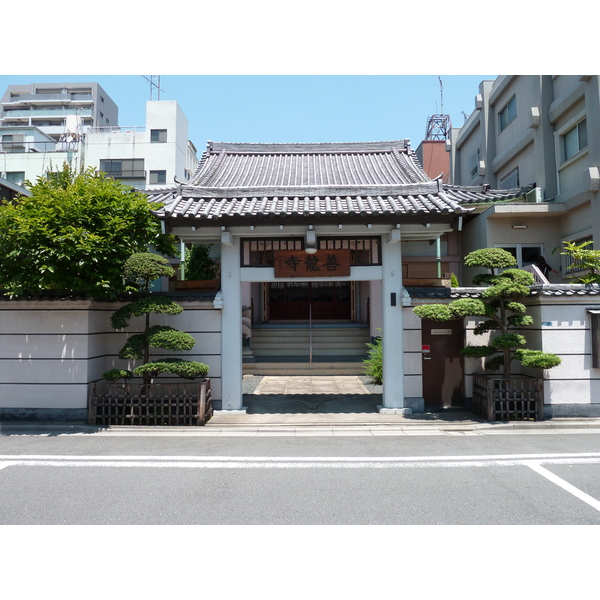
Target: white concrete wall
[[413, 363], [51, 350], [561, 326]]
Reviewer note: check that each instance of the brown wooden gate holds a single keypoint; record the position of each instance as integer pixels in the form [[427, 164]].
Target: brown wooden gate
[[442, 363], [327, 301]]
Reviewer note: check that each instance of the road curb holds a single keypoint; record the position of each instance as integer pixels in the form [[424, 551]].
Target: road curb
[[32, 428]]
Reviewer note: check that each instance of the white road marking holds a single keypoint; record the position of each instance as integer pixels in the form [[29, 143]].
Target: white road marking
[[565, 485], [298, 462]]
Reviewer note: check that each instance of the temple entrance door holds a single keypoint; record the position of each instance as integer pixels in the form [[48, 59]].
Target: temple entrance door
[[442, 363], [328, 301]]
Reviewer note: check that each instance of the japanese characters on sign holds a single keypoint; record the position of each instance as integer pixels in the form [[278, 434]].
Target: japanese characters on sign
[[324, 263]]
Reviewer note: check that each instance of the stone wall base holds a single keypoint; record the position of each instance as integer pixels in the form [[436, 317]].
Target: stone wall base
[[571, 410], [43, 414]]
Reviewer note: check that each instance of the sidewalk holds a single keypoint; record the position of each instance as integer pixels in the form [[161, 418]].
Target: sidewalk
[[324, 406]]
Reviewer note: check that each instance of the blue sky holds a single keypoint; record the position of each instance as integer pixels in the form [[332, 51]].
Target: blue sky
[[290, 108]]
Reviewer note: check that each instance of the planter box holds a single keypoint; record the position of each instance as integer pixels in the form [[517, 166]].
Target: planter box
[[198, 284], [515, 399], [156, 404]]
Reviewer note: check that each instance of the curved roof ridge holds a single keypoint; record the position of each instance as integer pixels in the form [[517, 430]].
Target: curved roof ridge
[[310, 146]]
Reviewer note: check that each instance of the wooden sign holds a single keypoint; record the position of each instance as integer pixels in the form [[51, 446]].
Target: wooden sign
[[324, 263]]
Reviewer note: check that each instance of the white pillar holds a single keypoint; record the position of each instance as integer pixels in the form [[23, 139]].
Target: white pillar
[[231, 325], [393, 328]]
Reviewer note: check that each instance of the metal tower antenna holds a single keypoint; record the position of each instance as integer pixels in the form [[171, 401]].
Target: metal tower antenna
[[438, 126], [154, 81]]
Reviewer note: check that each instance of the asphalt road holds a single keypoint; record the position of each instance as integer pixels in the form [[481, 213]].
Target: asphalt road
[[99, 479]]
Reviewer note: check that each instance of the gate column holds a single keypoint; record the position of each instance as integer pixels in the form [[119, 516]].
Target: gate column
[[231, 324], [393, 327]]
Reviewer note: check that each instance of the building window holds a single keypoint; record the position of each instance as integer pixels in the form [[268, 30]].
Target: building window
[[525, 254], [574, 141], [124, 168], [474, 164], [16, 177], [158, 135], [158, 177], [510, 181], [508, 113], [13, 142]]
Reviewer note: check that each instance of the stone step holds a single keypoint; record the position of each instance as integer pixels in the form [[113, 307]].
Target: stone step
[[304, 368], [324, 344]]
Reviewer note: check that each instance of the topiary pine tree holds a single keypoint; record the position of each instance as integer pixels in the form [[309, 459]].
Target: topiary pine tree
[[140, 270], [499, 303]]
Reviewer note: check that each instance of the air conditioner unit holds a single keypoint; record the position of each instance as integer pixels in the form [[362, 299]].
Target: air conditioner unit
[[534, 195]]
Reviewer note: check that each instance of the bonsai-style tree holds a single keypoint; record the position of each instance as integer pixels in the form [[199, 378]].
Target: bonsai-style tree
[[583, 258], [74, 233], [198, 264], [140, 270], [499, 304]]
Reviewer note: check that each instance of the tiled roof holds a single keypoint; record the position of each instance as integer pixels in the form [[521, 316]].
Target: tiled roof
[[313, 165], [554, 289], [361, 179]]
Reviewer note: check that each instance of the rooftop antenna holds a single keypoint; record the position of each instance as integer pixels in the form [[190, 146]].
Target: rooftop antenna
[[438, 126], [154, 81]]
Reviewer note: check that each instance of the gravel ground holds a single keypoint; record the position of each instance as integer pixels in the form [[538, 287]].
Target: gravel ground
[[250, 383]]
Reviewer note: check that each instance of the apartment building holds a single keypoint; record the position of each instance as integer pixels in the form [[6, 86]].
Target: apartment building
[[540, 133], [146, 157], [42, 126], [51, 107]]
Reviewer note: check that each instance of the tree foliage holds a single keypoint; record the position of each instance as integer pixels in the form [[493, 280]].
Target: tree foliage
[[198, 264], [499, 303], [74, 233], [583, 258]]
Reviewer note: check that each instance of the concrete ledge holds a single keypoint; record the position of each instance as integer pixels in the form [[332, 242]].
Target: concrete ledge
[[394, 411], [240, 411]]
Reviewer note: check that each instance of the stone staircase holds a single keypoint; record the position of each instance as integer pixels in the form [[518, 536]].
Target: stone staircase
[[337, 349]]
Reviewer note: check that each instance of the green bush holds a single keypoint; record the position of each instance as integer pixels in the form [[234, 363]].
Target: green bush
[[198, 264], [116, 374], [174, 366], [374, 364]]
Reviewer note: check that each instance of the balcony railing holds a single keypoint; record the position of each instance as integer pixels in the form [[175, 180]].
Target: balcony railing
[[131, 174], [36, 98], [537, 274], [108, 129], [23, 147]]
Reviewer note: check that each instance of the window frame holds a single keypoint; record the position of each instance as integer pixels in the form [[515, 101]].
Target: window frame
[[159, 134], [514, 173], [519, 252], [473, 163], [567, 261], [159, 174], [577, 131], [508, 114], [132, 173]]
